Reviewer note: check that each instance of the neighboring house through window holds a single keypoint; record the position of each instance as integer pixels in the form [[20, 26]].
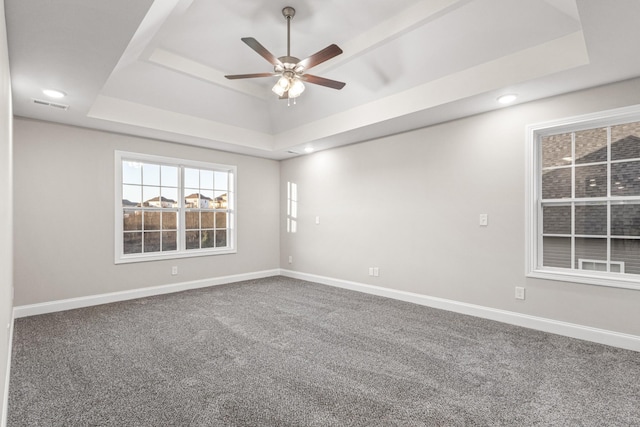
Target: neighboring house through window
[[172, 208], [584, 199]]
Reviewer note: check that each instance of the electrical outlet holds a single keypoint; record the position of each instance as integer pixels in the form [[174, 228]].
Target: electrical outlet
[[376, 271], [290, 259], [519, 292], [370, 271], [483, 220], [317, 220], [174, 270]]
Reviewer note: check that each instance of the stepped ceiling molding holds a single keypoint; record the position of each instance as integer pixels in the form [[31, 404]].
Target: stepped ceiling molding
[[156, 68]]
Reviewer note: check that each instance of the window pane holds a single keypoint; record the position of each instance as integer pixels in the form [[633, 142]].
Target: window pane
[[591, 249], [131, 195], [556, 150], [556, 252], [132, 220], [193, 198], [625, 141], [169, 220], [556, 184], [152, 242], [206, 219], [151, 221], [169, 176], [206, 199], [591, 146], [556, 219], [625, 219], [591, 219], [221, 180], [220, 200], [626, 251], [625, 179], [591, 181], [206, 179], [132, 243], [193, 239], [207, 239], [221, 220], [169, 240], [169, 197], [191, 178], [221, 238], [150, 174], [192, 220], [131, 172], [151, 196]]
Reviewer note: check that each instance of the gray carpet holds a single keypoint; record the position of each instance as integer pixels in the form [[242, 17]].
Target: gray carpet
[[284, 352]]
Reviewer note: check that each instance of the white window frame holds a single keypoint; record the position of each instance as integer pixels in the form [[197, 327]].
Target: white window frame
[[533, 210], [181, 252]]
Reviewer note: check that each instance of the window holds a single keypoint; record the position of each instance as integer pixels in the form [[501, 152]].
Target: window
[[292, 207], [584, 199], [172, 208]]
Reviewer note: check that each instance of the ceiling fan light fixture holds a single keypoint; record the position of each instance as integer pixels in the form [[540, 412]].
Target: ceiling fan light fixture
[[297, 87], [284, 82], [278, 89]]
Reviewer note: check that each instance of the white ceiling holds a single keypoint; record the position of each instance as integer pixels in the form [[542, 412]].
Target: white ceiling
[[156, 68]]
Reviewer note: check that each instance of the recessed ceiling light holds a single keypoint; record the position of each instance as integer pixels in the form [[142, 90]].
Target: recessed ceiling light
[[508, 98], [308, 150], [52, 93]]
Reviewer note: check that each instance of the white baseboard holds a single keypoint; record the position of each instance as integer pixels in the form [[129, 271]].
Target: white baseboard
[[69, 304], [587, 333], [5, 400]]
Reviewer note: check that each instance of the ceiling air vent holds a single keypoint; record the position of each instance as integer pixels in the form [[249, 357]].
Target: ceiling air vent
[[50, 104]]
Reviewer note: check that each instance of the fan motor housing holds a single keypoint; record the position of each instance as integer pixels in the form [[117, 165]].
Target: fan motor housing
[[292, 60]]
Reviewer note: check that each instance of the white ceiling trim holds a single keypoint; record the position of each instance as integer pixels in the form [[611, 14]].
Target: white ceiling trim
[[131, 113], [150, 25], [542, 60], [198, 70], [538, 61]]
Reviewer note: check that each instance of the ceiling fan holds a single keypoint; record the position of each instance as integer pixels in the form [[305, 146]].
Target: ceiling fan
[[292, 71]]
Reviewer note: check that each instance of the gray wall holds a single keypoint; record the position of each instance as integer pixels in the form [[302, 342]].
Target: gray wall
[[64, 218], [6, 209], [409, 204]]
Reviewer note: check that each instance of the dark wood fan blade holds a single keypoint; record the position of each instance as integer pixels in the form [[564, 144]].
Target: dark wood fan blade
[[333, 84], [262, 51], [319, 57], [250, 76]]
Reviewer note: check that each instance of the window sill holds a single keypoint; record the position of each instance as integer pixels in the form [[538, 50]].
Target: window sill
[[173, 255], [622, 281]]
